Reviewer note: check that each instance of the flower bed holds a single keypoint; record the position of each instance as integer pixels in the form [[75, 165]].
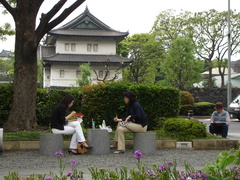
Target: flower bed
[[226, 167]]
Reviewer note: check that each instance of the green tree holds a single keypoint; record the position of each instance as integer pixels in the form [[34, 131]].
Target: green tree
[[207, 29], [146, 53], [210, 37], [85, 76], [169, 25], [6, 30], [122, 48], [28, 35], [180, 66]]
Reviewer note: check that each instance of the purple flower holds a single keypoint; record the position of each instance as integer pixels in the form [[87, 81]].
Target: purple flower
[[48, 178], [163, 167], [58, 154], [138, 154], [205, 175], [69, 174], [236, 170], [74, 162], [169, 163]]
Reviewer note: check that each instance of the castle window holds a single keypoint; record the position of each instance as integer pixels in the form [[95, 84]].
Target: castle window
[[78, 73], [66, 46], [73, 47], [89, 47], [61, 73], [100, 74], [95, 47]]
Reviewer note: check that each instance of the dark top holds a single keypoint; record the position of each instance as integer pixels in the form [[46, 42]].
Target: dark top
[[137, 114], [58, 117]]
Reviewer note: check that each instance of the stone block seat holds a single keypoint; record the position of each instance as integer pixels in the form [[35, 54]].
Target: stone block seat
[[145, 142], [50, 143], [99, 139], [1, 140]]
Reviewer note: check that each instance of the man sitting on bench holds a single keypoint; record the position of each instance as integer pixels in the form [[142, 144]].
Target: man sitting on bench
[[220, 120]]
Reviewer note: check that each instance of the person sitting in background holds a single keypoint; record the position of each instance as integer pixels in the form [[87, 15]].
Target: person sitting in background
[[220, 120], [61, 123]]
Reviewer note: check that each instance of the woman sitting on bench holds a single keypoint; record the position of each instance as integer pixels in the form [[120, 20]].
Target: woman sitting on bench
[[134, 121], [220, 120], [61, 123]]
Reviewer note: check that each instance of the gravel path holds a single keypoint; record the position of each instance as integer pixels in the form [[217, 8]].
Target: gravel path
[[28, 162]]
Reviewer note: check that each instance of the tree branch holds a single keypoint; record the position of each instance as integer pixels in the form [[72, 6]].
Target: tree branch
[[45, 26], [45, 18], [9, 8]]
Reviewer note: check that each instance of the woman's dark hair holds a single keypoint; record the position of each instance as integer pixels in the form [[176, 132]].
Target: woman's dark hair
[[67, 100], [131, 96]]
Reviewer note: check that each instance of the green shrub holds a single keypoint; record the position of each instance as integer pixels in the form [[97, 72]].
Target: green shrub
[[184, 129], [186, 98], [159, 122], [185, 108], [101, 102], [6, 93], [200, 109], [105, 101], [47, 100], [203, 108]]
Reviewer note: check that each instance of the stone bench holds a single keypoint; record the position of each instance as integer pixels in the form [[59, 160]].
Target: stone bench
[[99, 139], [50, 143], [1, 140], [145, 142]]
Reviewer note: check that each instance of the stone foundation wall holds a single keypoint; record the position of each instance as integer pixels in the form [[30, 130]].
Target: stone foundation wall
[[213, 95]]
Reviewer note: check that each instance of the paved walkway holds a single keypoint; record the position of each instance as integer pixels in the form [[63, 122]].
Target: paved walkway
[[29, 162]]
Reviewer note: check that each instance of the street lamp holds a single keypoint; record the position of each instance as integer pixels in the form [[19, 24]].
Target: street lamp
[[229, 90]]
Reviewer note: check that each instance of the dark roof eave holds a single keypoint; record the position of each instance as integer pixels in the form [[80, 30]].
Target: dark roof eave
[[120, 35], [66, 62]]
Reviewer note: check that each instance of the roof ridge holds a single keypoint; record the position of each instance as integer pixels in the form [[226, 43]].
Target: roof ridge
[[83, 15]]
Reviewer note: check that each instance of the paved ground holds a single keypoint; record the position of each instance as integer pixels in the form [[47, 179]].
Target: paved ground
[[28, 162]]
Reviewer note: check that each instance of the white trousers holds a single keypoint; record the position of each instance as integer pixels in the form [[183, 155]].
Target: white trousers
[[74, 128]]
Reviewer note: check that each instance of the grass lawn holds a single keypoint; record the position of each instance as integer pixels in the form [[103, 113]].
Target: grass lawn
[[35, 135]]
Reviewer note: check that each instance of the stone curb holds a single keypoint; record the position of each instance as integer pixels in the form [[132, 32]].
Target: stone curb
[[215, 144]]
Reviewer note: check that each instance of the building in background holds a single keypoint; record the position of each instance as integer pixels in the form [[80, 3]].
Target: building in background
[[85, 39], [6, 55]]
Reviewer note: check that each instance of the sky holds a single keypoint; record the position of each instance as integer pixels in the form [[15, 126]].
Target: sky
[[134, 16]]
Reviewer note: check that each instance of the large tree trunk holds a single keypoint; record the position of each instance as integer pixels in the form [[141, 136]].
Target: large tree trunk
[[23, 112], [22, 115]]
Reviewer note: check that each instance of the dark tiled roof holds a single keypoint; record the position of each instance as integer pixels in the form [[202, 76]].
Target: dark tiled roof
[[84, 58], [88, 33], [87, 18], [5, 53], [85, 25]]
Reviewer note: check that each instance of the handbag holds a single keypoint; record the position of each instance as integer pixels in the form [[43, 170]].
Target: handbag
[[81, 149]]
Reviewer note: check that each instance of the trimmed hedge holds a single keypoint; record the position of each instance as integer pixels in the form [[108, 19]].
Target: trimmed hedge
[[47, 100], [6, 93], [184, 129], [105, 101], [45, 103], [100, 102], [200, 109]]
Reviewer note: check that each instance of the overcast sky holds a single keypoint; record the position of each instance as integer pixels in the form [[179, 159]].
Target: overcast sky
[[135, 16]]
